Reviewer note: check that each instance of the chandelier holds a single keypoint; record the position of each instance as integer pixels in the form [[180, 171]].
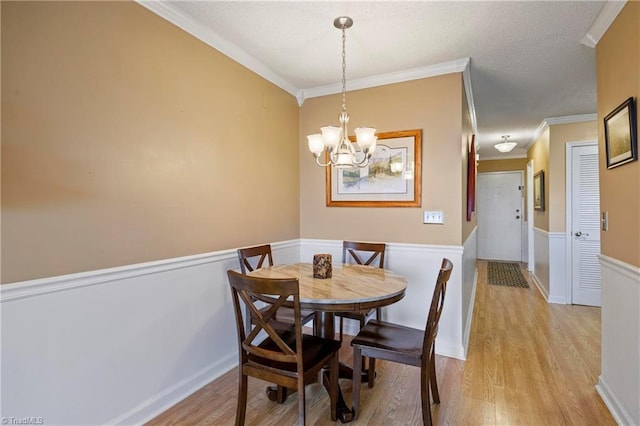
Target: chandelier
[[342, 152], [505, 145]]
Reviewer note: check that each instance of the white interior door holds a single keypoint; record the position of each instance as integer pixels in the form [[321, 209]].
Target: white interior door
[[499, 212], [586, 281]]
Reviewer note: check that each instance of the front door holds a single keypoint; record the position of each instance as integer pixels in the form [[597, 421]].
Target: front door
[[586, 281], [499, 212]]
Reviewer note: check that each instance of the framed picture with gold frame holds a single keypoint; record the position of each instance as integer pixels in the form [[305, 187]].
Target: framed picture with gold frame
[[392, 178]]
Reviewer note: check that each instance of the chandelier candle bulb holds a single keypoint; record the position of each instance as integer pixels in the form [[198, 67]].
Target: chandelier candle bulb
[[322, 265]]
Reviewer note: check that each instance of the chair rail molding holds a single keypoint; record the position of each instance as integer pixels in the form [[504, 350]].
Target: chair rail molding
[[91, 348]]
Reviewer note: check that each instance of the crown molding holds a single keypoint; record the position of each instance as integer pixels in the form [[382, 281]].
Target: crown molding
[[233, 51], [458, 65], [544, 125], [551, 121], [603, 21], [466, 79], [571, 119], [213, 39]]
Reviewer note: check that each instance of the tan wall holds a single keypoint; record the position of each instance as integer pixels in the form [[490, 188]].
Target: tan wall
[[506, 165], [467, 135], [125, 140], [560, 134], [618, 62], [431, 104], [539, 153]]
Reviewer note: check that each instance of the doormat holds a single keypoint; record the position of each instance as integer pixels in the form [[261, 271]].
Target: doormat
[[506, 274]]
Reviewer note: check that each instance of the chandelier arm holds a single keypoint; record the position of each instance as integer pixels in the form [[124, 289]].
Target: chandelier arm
[[321, 164]]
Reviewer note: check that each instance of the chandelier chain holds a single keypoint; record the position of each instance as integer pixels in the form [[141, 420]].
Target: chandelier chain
[[344, 70]]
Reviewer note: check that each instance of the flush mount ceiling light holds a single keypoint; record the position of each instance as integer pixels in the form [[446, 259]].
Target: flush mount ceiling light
[[505, 145], [342, 152]]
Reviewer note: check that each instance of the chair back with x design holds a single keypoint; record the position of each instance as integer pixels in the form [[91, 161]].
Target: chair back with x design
[[249, 254], [285, 357], [357, 249]]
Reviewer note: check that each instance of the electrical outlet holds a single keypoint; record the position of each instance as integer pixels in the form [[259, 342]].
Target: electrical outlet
[[433, 217]]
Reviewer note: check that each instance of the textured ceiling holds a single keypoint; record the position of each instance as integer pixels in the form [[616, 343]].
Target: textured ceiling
[[527, 60]]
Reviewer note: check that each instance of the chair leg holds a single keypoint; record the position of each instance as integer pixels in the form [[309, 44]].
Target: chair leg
[[333, 389], [357, 378], [341, 329], [281, 394], [371, 374], [362, 323], [424, 396], [241, 409], [432, 377], [301, 404]]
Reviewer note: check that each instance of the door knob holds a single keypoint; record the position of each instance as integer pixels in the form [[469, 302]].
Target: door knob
[[578, 234]]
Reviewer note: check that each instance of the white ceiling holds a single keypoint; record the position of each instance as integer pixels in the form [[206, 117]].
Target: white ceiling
[[527, 62]]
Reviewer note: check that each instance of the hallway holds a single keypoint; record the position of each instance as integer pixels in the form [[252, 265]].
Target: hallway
[[528, 363]]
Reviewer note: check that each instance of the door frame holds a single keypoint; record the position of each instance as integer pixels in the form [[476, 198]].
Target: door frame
[[531, 261], [569, 214]]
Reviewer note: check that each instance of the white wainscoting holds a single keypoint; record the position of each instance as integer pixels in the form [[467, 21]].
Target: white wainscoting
[[469, 283], [420, 264], [541, 264], [619, 381], [550, 265], [557, 268], [120, 345]]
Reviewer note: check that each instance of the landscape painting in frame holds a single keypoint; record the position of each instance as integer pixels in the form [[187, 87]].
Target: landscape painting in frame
[[392, 178], [620, 135]]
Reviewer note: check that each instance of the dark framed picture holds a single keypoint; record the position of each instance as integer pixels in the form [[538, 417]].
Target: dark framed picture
[[471, 179], [620, 134], [538, 191]]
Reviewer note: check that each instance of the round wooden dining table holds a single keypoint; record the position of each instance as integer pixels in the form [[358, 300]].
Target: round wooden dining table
[[351, 288]]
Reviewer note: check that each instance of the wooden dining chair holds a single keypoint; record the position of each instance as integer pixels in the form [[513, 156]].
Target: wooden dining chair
[[363, 254], [252, 258], [286, 357], [397, 343]]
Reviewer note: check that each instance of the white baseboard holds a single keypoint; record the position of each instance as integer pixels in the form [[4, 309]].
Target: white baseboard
[[467, 328], [540, 288], [616, 409], [160, 402]]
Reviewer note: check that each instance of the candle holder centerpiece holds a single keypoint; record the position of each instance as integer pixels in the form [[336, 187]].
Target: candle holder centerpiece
[[322, 265]]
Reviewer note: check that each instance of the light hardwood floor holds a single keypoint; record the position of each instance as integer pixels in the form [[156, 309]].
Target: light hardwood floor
[[528, 363]]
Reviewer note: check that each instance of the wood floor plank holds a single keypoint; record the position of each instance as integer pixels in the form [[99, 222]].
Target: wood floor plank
[[528, 362]]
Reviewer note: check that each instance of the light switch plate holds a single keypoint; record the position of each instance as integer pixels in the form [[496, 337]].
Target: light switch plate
[[604, 221], [433, 217]]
